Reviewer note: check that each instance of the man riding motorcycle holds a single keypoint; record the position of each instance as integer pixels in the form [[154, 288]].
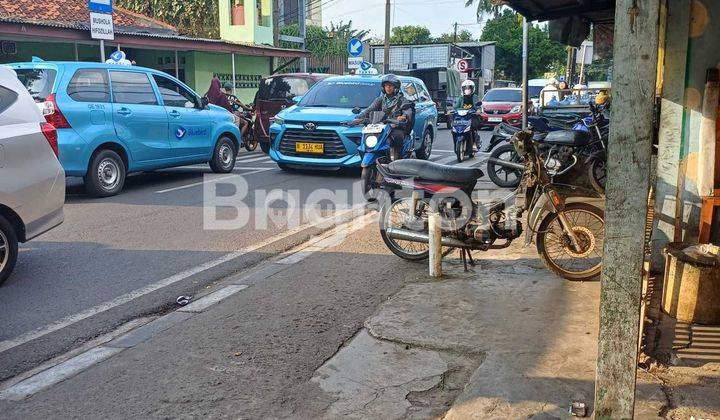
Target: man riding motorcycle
[[237, 107], [394, 104], [468, 100]]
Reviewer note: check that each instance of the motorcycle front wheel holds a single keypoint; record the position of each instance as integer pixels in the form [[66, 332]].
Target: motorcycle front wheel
[[597, 174], [251, 143], [399, 215], [460, 149], [370, 182], [555, 247]]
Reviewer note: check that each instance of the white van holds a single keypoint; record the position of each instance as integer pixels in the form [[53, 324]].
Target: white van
[[534, 88]]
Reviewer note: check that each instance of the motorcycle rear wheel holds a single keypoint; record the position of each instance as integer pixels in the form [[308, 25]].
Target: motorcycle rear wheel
[[559, 256], [501, 176], [396, 215], [597, 174]]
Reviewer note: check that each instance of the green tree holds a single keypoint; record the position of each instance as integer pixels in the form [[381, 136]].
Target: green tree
[[486, 7], [198, 18], [543, 55], [410, 34], [462, 36]]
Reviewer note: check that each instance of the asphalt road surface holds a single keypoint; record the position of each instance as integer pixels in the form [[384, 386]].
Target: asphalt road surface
[[118, 258]]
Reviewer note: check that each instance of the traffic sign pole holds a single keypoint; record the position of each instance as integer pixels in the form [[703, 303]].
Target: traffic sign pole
[[102, 50]]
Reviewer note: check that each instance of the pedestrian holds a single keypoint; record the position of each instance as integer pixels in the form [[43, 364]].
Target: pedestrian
[[562, 89], [549, 92], [216, 96]]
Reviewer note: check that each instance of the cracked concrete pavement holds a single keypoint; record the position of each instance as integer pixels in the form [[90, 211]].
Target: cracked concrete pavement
[[353, 331]]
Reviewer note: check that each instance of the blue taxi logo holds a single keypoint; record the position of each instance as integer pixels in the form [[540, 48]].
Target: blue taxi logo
[[180, 132]]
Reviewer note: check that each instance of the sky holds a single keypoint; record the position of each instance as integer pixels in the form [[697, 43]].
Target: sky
[[436, 15]]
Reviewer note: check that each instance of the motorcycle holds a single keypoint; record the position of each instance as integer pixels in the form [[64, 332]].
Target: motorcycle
[[463, 133], [375, 146], [562, 149], [248, 141], [568, 234]]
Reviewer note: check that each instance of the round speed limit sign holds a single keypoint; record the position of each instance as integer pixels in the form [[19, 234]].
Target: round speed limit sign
[[463, 66]]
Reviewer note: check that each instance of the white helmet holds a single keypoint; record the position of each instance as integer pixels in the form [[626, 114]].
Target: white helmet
[[468, 84]]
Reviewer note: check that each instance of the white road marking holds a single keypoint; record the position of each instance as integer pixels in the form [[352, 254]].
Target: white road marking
[[213, 298], [120, 300], [195, 184], [441, 150], [267, 158], [57, 373]]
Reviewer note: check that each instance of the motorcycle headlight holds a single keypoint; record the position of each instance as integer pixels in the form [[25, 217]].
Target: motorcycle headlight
[[515, 109], [371, 141]]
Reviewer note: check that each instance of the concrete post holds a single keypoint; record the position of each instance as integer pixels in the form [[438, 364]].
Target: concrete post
[[435, 244], [628, 183], [706, 152]]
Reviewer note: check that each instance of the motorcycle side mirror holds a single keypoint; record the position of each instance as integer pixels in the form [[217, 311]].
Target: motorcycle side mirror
[[356, 110], [204, 102]]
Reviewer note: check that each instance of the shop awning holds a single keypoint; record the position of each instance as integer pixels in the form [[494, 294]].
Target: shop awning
[[596, 11]]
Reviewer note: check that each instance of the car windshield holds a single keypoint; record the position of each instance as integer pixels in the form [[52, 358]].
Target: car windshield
[[39, 82], [534, 91], [341, 94], [501, 95], [282, 87]]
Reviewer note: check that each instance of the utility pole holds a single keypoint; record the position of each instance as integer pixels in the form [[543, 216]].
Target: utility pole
[[386, 59], [302, 14], [276, 22], [455, 34], [524, 74], [626, 205]]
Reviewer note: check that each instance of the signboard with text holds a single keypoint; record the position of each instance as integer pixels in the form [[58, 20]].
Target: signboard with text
[[354, 62], [101, 26], [100, 6]]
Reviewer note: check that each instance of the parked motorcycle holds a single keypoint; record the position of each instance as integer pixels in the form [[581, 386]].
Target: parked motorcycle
[[569, 154], [568, 235], [464, 137], [249, 140], [375, 146]]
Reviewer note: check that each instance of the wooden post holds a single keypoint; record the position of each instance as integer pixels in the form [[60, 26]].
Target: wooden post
[[435, 244], [706, 152], [628, 183]]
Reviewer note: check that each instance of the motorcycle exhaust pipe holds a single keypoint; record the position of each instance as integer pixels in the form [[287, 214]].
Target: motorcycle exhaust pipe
[[408, 235], [511, 165]]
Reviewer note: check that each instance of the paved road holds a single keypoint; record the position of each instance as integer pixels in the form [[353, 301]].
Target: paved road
[[118, 258]]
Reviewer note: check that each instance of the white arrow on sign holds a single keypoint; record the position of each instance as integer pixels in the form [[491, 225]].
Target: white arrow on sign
[[355, 47]]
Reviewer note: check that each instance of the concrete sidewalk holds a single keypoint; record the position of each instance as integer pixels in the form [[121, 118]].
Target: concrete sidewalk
[[349, 330]]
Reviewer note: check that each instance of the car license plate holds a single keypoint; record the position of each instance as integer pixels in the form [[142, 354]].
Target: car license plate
[[495, 119], [310, 148]]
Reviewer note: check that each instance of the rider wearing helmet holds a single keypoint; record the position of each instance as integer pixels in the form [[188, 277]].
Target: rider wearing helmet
[[394, 104], [237, 107], [468, 100]]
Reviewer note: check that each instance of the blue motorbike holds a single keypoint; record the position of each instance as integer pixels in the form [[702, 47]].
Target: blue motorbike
[[375, 147], [463, 133]]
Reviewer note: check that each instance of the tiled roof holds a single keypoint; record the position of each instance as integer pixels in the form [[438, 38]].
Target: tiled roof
[[74, 14]]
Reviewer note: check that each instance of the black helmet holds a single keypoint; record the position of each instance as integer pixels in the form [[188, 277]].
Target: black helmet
[[392, 79], [228, 85]]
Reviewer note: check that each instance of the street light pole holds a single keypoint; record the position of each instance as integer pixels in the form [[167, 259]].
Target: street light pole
[[525, 74], [386, 59]]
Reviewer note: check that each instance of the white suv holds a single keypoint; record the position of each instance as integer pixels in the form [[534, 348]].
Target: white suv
[[32, 182]]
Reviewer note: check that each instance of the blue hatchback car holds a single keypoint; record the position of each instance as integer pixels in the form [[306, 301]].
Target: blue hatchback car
[[112, 120], [310, 134]]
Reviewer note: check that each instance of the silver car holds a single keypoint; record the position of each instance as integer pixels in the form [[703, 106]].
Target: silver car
[[32, 182]]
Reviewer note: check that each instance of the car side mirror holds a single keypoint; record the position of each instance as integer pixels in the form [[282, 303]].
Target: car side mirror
[[356, 110], [204, 102], [297, 99]]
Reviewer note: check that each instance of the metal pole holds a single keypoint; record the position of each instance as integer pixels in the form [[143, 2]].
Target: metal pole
[[177, 65], [302, 12], [525, 74], [582, 64], [77, 56], [102, 51], [435, 244], [386, 59], [455, 34], [232, 57]]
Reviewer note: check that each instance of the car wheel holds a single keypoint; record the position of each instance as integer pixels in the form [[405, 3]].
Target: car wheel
[[106, 174], [8, 249], [426, 147], [223, 159]]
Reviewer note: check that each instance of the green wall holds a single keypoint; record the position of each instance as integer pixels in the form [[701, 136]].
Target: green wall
[[55, 51], [202, 66]]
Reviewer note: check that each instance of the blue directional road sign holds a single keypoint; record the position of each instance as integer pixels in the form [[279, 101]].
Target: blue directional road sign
[[355, 47], [100, 6]]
